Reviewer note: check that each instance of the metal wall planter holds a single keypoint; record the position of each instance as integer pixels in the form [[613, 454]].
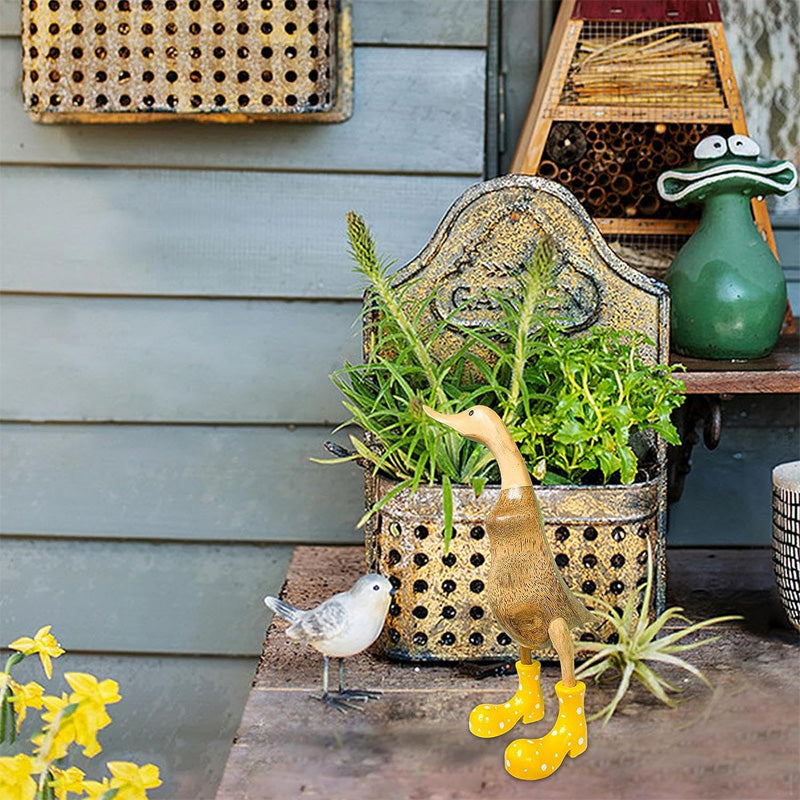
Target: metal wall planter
[[598, 535]]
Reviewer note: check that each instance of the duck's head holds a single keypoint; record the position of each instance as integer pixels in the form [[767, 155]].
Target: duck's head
[[478, 423], [726, 165]]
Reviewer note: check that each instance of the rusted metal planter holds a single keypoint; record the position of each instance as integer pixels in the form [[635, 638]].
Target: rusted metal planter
[[598, 535]]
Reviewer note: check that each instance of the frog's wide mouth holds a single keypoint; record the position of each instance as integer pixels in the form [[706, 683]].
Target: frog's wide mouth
[[751, 178]]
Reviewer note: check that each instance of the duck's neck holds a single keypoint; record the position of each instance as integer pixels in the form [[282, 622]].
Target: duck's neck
[[513, 471]]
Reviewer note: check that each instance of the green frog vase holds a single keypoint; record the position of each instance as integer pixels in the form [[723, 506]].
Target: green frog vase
[[727, 289]]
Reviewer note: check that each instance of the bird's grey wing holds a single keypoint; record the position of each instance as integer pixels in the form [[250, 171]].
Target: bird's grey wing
[[326, 621]]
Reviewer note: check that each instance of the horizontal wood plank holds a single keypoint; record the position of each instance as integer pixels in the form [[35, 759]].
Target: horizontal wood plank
[[10, 18], [213, 594], [777, 373], [110, 359], [787, 240], [176, 482], [459, 23], [416, 110], [449, 23], [206, 233]]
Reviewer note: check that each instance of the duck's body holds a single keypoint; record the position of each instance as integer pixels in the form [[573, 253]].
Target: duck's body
[[525, 588], [530, 601]]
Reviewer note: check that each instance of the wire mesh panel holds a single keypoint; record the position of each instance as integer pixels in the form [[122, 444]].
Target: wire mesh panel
[[142, 60], [634, 63]]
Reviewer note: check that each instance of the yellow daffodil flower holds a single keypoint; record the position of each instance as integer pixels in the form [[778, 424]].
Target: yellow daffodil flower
[[59, 732], [133, 780], [66, 781], [43, 643], [16, 782], [92, 696], [87, 688], [24, 697], [96, 789]]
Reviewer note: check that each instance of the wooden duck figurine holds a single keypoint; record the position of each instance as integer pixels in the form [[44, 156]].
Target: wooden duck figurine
[[531, 603]]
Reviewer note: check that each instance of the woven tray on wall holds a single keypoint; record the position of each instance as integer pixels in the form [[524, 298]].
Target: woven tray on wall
[[207, 60]]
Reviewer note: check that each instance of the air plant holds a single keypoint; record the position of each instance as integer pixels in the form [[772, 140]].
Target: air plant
[[636, 648]]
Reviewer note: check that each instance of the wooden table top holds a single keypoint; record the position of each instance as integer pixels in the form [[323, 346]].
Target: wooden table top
[[739, 740], [778, 373]]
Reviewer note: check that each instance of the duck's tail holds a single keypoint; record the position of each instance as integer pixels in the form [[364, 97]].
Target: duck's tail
[[283, 610]]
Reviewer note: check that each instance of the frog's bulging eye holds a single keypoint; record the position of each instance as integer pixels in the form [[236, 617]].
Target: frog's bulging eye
[[742, 145], [711, 147]]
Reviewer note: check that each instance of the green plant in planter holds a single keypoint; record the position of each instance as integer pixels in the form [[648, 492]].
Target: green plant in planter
[[575, 406]]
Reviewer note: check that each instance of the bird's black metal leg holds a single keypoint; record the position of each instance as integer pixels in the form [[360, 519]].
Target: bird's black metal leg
[[361, 695], [337, 701]]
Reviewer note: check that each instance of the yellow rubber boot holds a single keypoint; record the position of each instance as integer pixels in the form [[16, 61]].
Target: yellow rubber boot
[[489, 720], [533, 759]]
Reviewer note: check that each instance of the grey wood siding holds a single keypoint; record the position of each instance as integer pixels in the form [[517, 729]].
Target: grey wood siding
[[230, 234], [196, 482], [176, 297], [786, 228], [143, 586]]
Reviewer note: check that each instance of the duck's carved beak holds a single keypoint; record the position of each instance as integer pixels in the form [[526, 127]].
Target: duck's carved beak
[[461, 423], [445, 419]]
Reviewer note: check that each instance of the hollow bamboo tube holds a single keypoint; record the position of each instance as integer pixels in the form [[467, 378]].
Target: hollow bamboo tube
[[657, 146], [648, 205], [622, 184], [682, 137], [672, 158], [596, 195], [603, 179], [613, 168], [564, 176], [547, 169]]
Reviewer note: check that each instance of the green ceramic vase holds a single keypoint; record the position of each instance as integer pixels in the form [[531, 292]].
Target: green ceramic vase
[[727, 289]]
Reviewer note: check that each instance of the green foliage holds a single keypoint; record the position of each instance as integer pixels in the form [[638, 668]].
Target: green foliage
[[574, 405], [637, 646]]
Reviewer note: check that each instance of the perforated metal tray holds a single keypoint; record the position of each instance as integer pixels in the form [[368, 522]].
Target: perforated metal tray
[[209, 60]]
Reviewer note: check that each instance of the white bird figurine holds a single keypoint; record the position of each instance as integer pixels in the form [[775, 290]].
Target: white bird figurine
[[341, 626]]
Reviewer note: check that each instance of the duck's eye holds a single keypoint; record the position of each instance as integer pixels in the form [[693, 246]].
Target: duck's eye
[[471, 413], [743, 145], [711, 147], [376, 588]]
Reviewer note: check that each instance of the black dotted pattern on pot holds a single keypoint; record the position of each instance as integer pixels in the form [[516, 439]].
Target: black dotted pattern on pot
[[255, 57], [441, 611]]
